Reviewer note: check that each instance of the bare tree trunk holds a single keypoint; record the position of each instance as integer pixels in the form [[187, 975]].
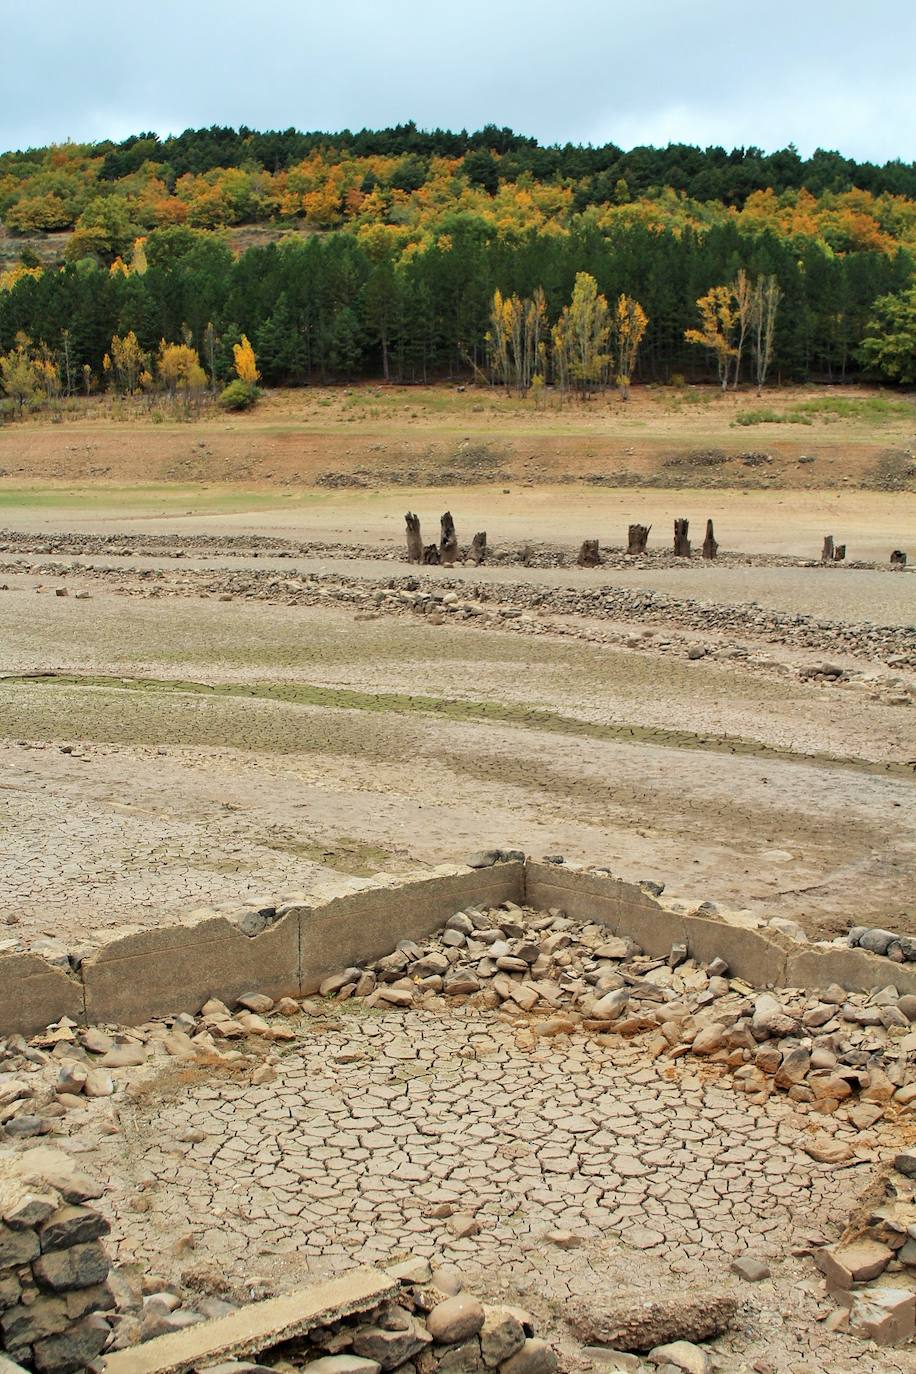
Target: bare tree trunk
[[478, 551], [637, 538], [827, 550], [448, 540], [839, 553], [681, 542], [431, 554], [589, 557], [710, 547], [898, 558], [414, 540]]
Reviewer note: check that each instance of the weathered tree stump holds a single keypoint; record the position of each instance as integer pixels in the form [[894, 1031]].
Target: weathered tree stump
[[431, 554], [448, 540], [414, 540], [827, 550], [589, 557], [681, 542], [710, 547], [478, 550], [637, 538], [839, 553], [898, 558]]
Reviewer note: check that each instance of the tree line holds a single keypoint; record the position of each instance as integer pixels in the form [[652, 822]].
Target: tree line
[[712, 173], [344, 306]]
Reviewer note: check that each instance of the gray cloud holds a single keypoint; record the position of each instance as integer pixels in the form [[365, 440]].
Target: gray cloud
[[816, 74]]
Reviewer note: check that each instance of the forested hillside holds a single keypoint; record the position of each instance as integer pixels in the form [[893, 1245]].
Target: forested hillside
[[387, 250]]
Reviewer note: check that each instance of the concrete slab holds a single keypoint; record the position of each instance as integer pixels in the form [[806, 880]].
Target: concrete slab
[[256, 1327]]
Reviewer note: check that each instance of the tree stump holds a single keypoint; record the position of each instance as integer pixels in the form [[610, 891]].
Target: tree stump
[[827, 550], [448, 540], [589, 557], [839, 553], [431, 554], [414, 540], [898, 558], [637, 538], [681, 542], [478, 551], [710, 547]]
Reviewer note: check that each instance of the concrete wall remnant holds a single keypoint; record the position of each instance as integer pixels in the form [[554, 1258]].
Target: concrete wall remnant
[[163, 971]]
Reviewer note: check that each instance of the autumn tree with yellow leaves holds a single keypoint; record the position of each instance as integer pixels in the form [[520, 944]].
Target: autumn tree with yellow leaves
[[581, 338], [717, 328], [245, 363], [127, 361], [180, 372], [516, 339], [630, 321]]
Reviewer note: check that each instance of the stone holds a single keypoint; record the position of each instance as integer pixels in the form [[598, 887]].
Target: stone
[[411, 1271], [907, 1005], [26, 1325], [72, 1226], [905, 1163], [455, 1319], [682, 1355], [77, 1267], [826, 1150], [886, 1316], [463, 1225], [501, 1335], [856, 1262], [612, 1361], [609, 1007], [636, 1322], [17, 1247], [484, 858], [793, 1069], [709, 1039], [123, 1057], [534, 1357], [876, 940], [257, 1002], [390, 1348], [749, 1269], [98, 1083], [26, 1208], [73, 1349], [342, 1364]]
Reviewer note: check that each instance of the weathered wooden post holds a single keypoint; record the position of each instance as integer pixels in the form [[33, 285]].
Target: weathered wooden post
[[637, 538], [478, 550], [710, 547], [839, 553], [589, 557], [898, 558], [414, 540], [681, 542], [431, 554], [448, 540], [827, 550]]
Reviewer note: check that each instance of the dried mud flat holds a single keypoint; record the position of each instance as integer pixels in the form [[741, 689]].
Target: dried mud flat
[[338, 732]]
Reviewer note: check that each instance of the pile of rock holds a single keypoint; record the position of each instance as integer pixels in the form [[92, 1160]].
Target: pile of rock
[[900, 948], [824, 1049], [871, 1271], [53, 1266], [433, 1327]]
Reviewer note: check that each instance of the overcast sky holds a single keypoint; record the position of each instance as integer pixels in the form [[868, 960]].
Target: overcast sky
[[835, 75]]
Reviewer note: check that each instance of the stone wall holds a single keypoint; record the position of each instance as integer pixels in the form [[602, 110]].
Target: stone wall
[[53, 1265], [289, 951]]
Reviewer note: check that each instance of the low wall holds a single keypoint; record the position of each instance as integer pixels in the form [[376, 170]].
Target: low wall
[[171, 969]]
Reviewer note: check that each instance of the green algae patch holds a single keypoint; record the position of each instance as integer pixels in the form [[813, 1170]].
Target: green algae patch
[[452, 710]]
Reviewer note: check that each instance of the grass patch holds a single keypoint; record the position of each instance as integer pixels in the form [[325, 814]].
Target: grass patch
[[282, 739], [829, 408]]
